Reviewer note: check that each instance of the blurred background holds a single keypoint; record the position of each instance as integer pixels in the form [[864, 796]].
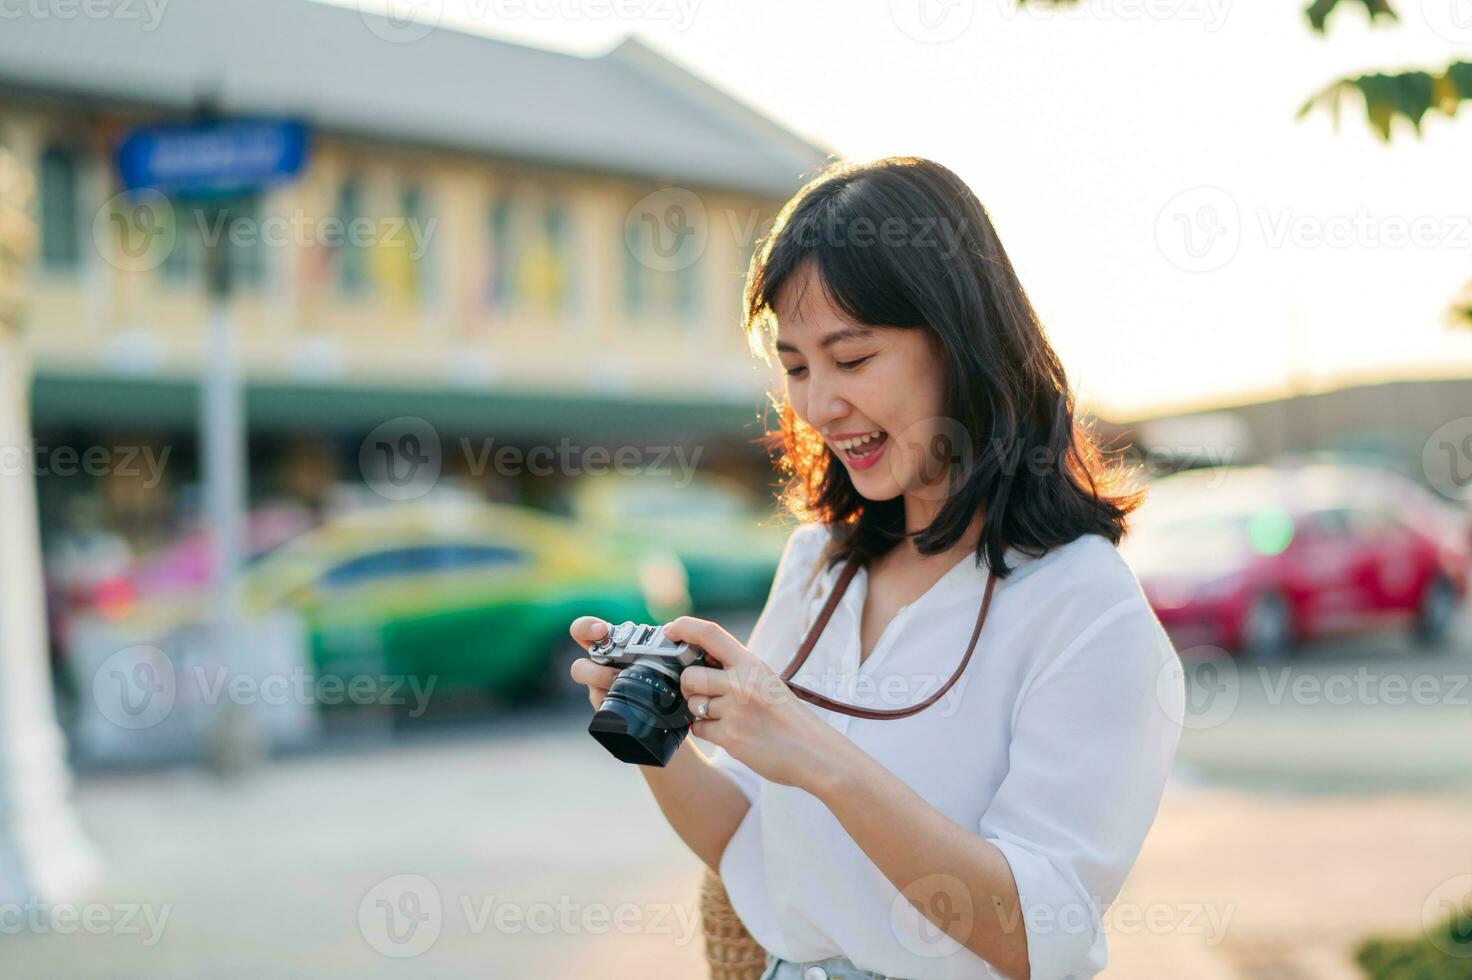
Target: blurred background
[[349, 351]]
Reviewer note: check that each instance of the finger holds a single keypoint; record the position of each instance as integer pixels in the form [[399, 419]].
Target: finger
[[588, 629], [712, 731], [711, 707], [585, 671], [708, 681], [719, 646]]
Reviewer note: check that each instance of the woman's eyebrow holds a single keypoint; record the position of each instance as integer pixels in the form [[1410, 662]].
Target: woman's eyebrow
[[836, 337]]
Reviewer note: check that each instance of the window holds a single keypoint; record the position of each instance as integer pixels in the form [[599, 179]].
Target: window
[[1372, 521], [504, 256], [245, 252], [633, 269], [420, 273], [687, 289], [183, 264], [555, 279], [351, 251], [1328, 523], [658, 280], [531, 258], [419, 560], [61, 240], [234, 227]]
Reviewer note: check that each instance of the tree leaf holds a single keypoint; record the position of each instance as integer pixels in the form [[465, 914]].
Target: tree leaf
[[1408, 95], [1318, 12]]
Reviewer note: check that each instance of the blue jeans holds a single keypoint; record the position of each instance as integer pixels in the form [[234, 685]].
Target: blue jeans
[[833, 968]]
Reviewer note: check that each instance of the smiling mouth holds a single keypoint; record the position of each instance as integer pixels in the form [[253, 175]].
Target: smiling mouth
[[862, 447]]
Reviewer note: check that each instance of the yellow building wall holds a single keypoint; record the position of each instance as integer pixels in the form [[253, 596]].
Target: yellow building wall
[[120, 313]]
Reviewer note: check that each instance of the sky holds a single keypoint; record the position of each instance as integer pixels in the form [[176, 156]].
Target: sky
[[1186, 239]]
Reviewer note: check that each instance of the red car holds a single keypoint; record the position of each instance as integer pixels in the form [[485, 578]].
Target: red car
[[1256, 560]]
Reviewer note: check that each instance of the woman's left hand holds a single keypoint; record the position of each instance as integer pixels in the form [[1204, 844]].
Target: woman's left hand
[[752, 714]]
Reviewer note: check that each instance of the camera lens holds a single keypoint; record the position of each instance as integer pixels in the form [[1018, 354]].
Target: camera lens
[[643, 720]]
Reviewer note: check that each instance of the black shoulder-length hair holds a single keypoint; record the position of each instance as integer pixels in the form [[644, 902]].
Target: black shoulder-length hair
[[903, 242]]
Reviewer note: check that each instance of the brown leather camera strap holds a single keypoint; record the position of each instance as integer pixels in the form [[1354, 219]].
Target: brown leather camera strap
[[813, 697]]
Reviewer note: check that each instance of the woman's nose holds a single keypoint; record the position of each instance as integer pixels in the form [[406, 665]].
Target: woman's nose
[[825, 405]]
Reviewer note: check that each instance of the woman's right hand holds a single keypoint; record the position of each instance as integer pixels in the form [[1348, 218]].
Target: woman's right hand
[[586, 630]]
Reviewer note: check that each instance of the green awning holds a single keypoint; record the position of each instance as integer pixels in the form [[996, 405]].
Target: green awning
[[111, 403]]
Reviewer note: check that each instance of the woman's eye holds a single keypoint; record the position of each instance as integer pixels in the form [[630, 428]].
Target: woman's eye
[[850, 365], [795, 371]]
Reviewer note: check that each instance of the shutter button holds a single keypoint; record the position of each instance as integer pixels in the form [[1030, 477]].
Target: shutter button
[[815, 973]]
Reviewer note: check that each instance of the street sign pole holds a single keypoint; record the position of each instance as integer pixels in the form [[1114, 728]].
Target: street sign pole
[[236, 743], [214, 161]]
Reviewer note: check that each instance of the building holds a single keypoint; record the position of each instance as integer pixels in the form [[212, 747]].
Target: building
[[504, 241], [1415, 427]]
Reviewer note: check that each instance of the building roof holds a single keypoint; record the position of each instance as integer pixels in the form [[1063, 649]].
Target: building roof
[[629, 111]]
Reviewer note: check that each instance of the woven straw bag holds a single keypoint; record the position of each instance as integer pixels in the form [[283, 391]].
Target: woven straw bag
[[729, 949]]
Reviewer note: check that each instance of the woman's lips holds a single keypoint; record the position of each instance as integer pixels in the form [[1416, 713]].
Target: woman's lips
[[865, 456]]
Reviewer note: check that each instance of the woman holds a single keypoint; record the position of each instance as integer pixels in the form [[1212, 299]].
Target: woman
[[982, 834]]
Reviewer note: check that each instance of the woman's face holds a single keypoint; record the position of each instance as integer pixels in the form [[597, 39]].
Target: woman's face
[[875, 394]]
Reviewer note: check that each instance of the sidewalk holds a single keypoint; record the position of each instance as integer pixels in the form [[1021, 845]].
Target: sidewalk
[[1298, 880], [285, 875]]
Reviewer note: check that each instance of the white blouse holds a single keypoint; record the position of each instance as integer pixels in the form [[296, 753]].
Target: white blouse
[[1054, 746]]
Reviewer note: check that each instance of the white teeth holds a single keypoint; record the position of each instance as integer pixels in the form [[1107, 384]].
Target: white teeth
[[857, 441]]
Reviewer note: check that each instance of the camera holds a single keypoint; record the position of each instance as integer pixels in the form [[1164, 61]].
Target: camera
[[644, 718]]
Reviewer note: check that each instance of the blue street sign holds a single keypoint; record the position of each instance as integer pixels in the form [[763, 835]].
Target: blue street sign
[[213, 159]]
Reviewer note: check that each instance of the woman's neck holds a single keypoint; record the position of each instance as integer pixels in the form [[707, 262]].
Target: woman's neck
[[918, 515]]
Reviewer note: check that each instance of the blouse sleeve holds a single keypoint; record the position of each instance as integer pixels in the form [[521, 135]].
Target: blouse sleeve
[[1094, 733], [784, 603]]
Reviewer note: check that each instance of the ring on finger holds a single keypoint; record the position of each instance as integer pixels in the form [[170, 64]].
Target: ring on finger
[[703, 710]]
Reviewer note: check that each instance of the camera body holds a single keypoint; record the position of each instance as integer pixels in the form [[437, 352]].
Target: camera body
[[644, 718], [629, 643]]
